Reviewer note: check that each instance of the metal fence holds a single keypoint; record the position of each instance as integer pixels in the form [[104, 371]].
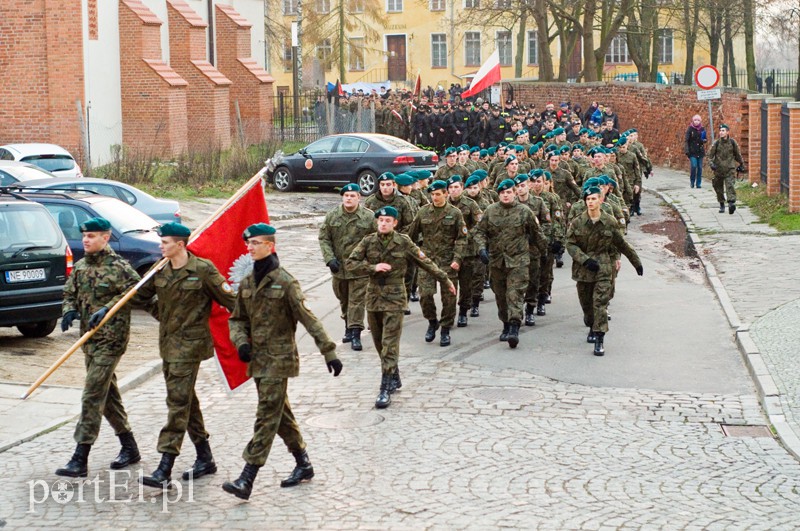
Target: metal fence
[[306, 117]]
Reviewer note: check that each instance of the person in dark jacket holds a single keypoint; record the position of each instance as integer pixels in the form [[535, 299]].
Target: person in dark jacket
[[695, 148]]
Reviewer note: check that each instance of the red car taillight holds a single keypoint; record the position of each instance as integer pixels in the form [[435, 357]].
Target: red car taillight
[[435, 157], [403, 159], [69, 261], [177, 214]]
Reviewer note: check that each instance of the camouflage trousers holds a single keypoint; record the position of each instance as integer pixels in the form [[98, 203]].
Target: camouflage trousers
[[386, 328], [352, 295], [183, 407], [508, 285], [532, 291], [100, 398], [427, 290], [478, 276], [466, 282], [546, 264], [411, 279], [594, 298], [725, 186], [273, 416]]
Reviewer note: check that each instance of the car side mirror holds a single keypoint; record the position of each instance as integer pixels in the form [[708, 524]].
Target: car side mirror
[[303, 152]]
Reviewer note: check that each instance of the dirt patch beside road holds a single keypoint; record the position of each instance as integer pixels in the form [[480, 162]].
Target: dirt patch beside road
[[673, 228]]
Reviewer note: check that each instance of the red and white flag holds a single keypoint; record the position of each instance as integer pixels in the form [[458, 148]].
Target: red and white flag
[[488, 75], [417, 86], [221, 242]]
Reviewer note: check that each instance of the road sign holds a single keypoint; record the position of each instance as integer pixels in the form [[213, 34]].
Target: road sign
[[713, 94], [706, 77]]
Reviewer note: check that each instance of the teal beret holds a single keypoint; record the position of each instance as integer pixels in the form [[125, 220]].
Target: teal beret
[[583, 131], [505, 184], [724, 126], [258, 229], [462, 149], [387, 211], [480, 171], [532, 150], [509, 159], [449, 151], [551, 154], [564, 149], [591, 191], [474, 149], [551, 147], [612, 182], [386, 176], [621, 141], [519, 148], [422, 174], [577, 147], [548, 175], [538, 172], [95, 225], [502, 144], [483, 152], [521, 178], [404, 179], [472, 181], [593, 181], [491, 151], [558, 131], [352, 187], [174, 229], [437, 185], [454, 179]]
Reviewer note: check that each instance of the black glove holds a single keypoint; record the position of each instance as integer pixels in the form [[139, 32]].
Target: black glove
[[713, 167], [640, 270], [556, 247], [244, 351], [97, 316], [741, 168], [334, 265], [66, 321], [592, 265], [335, 366], [484, 256]]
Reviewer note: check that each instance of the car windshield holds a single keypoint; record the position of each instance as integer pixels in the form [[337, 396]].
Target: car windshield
[[51, 162], [124, 217], [395, 144], [27, 227], [26, 173]]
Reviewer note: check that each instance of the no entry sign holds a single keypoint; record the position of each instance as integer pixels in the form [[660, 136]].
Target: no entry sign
[[706, 77]]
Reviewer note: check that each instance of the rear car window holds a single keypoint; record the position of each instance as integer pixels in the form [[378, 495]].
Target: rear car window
[[27, 173], [51, 162], [25, 227]]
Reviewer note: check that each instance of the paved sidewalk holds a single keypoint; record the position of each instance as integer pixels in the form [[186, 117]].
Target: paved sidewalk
[[753, 270]]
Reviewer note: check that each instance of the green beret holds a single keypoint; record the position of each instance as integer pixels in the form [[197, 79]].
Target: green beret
[[548, 135], [449, 151], [437, 185], [548, 175], [386, 176], [462, 149], [505, 184], [404, 179], [592, 151], [258, 229], [387, 211], [509, 159], [564, 149], [483, 152], [558, 131], [480, 171], [95, 225], [454, 179], [491, 151], [472, 181], [577, 147], [538, 172], [593, 181], [605, 179], [532, 150], [621, 141], [550, 147], [474, 149], [584, 131], [521, 178], [502, 144], [174, 229], [352, 187], [518, 148], [724, 126], [551, 154], [591, 191], [422, 174]]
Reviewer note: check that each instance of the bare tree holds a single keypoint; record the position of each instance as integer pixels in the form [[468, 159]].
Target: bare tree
[[607, 17]]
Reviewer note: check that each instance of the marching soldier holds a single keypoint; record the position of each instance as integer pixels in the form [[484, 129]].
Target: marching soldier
[[387, 195], [542, 216], [725, 158], [269, 305], [451, 166], [472, 215]]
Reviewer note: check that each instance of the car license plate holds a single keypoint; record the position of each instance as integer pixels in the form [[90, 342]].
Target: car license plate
[[25, 275]]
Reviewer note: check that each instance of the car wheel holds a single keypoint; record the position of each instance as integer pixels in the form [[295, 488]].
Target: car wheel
[[283, 180], [368, 181], [38, 329]]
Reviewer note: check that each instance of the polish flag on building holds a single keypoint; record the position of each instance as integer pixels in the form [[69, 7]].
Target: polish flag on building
[[488, 75], [221, 242]]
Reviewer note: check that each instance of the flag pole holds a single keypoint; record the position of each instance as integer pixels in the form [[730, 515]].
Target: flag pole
[[131, 292]]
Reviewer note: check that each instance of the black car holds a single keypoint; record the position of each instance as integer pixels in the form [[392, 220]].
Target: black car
[[337, 160], [133, 234], [35, 261]]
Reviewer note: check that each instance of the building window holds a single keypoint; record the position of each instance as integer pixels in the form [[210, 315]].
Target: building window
[[324, 52], [472, 47], [356, 53], [323, 6], [472, 4], [394, 6], [533, 47], [666, 45], [502, 4], [289, 7], [618, 50], [504, 47], [287, 56], [356, 6], [436, 5], [438, 50]]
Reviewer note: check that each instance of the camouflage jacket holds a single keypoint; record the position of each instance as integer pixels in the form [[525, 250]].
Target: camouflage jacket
[[472, 215], [481, 199], [445, 172], [266, 316], [420, 196], [631, 170], [540, 211], [640, 152], [507, 232], [602, 241], [565, 186], [725, 155], [443, 232], [396, 200], [340, 233], [100, 280], [386, 291], [558, 227]]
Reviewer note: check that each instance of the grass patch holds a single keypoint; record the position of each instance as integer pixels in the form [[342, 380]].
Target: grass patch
[[773, 210]]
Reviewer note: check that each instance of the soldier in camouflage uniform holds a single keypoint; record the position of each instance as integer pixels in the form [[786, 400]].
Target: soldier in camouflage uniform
[[724, 158], [342, 229], [593, 239], [504, 236], [542, 216], [384, 257], [646, 166], [563, 181], [474, 191], [631, 172], [269, 304], [451, 167], [555, 237], [441, 228], [180, 296], [472, 215], [98, 282]]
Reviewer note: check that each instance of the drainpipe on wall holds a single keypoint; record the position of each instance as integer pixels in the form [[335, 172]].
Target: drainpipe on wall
[[211, 32]]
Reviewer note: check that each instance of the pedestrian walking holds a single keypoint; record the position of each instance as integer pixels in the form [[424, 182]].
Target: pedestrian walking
[[694, 147], [725, 159]]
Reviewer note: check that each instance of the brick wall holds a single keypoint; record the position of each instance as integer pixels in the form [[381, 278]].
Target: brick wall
[[252, 85], [794, 157], [41, 60], [660, 113]]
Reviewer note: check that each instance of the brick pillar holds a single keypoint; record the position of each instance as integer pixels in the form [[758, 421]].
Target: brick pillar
[[754, 136], [773, 144], [153, 94], [252, 85], [208, 94], [794, 156]]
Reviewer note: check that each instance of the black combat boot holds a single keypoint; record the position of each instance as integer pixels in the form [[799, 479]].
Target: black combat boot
[[348, 334], [591, 337], [486, 284], [731, 207], [242, 487], [530, 320], [599, 350], [513, 335], [303, 471], [384, 399], [77, 466], [560, 259], [355, 339], [162, 475], [474, 311], [430, 334], [444, 338], [462, 318], [722, 208], [540, 310], [128, 454], [396, 382], [204, 465], [414, 295], [548, 299], [504, 333]]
